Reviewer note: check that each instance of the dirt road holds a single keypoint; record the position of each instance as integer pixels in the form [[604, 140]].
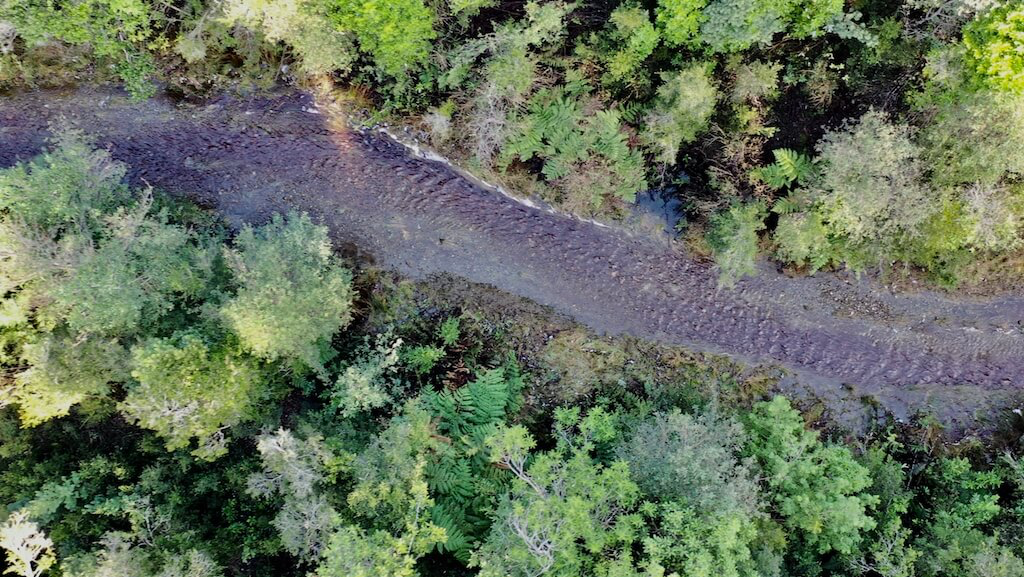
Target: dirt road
[[249, 158]]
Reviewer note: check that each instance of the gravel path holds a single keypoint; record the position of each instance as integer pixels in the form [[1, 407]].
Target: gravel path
[[249, 158]]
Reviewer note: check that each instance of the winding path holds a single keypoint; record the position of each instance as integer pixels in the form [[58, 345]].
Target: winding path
[[249, 158]]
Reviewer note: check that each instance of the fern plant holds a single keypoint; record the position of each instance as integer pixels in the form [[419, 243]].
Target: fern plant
[[790, 167], [570, 142], [462, 481]]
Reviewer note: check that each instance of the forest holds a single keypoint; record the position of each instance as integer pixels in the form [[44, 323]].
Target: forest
[[183, 396]]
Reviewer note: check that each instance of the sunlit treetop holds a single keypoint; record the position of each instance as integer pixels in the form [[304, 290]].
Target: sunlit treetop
[[995, 48]]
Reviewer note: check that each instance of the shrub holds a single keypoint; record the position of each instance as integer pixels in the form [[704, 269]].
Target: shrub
[[818, 489], [755, 82], [694, 460], [733, 237], [118, 31], [680, 20], [305, 25], [295, 467], [63, 372], [687, 543], [869, 187], [369, 381], [293, 295], [566, 511], [397, 34], [994, 45], [623, 48], [189, 389], [737, 25], [684, 105], [975, 137]]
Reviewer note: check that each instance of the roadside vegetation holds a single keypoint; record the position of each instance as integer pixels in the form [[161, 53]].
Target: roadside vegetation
[[180, 400], [869, 135]]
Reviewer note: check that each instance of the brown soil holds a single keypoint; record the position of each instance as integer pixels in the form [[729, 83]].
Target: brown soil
[[248, 158]]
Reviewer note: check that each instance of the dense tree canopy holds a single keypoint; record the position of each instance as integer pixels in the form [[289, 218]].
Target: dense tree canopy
[[181, 400]]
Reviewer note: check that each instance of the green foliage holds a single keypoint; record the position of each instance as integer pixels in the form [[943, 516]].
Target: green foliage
[[449, 331], [974, 138], [293, 295], [62, 372], [962, 501], [394, 458], [680, 20], [565, 512], [116, 31], [369, 382], [397, 34], [694, 460], [306, 25], [994, 45], [190, 389], [423, 358], [790, 167], [756, 82], [684, 105], [803, 238], [869, 194], [98, 266], [68, 188], [294, 468], [695, 545], [733, 237], [737, 25], [462, 481], [571, 143], [625, 46], [468, 8], [355, 552], [818, 489]]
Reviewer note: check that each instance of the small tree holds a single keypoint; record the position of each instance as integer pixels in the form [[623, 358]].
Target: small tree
[[63, 372], [29, 550], [189, 389], [566, 513], [818, 489], [293, 468], [869, 188], [733, 237], [684, 105], [678, 457], [293, 295]]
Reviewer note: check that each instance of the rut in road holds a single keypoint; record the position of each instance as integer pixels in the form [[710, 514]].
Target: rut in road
[[251, 157]]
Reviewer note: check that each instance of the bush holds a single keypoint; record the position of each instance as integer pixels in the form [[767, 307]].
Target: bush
[[975, 137], [869, 189], [733, 238], [293, 295], [994, 45], [818, 489], [305, 25], [62, 372], [117, 31], [189, 389], [694, 460], [624, 47], [397, 34], [684, 105]]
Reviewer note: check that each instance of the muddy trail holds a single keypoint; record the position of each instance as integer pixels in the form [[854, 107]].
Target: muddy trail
[[251, 157]]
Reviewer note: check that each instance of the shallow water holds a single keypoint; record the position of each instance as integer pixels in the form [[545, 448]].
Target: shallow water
[[248, 158]]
